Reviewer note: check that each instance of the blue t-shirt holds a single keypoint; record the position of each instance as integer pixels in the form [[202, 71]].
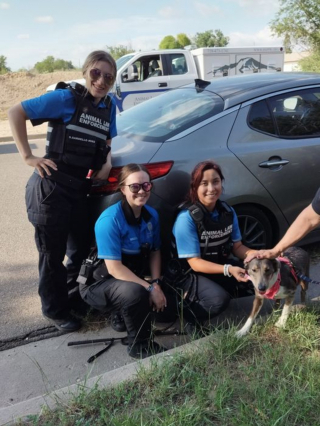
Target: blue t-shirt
[[186, 233], [115, 236], [61, 104]]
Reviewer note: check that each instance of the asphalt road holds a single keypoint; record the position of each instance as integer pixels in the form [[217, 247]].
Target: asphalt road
[[20, 312]]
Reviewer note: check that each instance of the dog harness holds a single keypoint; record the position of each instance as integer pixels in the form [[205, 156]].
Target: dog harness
[[273, 291]]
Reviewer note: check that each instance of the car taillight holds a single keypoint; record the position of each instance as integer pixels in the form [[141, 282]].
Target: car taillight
[[156, 171]]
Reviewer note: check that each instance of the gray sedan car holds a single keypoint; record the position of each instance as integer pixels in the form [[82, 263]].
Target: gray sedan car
[[263, 130]]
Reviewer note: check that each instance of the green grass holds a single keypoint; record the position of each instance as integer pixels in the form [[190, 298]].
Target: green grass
[[271, 377]]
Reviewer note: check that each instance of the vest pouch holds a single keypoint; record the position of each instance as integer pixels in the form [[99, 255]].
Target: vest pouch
[[101, 155], [55, 134], [80, 150]]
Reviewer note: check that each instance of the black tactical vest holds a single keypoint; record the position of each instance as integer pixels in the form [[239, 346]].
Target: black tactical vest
[[81, 142], [214, 236]]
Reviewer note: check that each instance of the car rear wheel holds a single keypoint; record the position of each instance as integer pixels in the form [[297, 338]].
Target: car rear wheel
[[255, 227]]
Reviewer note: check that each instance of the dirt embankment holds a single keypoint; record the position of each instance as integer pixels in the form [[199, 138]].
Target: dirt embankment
[[17, 86]]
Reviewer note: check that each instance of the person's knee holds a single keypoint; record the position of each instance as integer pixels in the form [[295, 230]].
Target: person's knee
[[220, 303], [135, 294], [212, 307]]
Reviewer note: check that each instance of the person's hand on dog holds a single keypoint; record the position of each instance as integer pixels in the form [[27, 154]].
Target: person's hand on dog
[[263, 254], [239, 274]]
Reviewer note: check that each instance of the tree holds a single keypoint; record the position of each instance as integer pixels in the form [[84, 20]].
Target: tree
[[311, 63], [60, 64], [211, 39], [298, 22], [169, 42], [183, 39], [117, 51], [3, 65], [50, 64]]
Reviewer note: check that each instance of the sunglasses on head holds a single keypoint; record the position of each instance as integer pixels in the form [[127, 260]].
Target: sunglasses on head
[[135, 187], [95, 74]]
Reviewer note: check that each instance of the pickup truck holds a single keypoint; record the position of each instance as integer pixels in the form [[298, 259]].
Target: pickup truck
[[144, 75]]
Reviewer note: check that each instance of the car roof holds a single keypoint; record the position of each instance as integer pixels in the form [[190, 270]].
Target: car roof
[[238, 89]]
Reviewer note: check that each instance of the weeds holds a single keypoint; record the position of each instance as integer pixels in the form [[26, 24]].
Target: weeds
[[269, 378]]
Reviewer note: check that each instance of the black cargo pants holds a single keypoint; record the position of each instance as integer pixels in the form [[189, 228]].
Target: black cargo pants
[[60, 216], [131, 299]]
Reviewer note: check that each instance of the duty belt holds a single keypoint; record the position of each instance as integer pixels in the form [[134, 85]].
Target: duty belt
[[68, 180]]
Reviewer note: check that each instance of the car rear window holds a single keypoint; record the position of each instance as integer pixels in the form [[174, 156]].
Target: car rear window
[[168, 114]]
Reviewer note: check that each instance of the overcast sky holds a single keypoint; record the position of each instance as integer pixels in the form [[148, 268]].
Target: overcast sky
[[30, 30]]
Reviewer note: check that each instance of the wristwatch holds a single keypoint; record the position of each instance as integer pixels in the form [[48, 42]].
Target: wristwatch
[[150, 287]]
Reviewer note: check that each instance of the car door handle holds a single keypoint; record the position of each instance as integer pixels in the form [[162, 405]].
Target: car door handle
[[162, 84], [273, 163]]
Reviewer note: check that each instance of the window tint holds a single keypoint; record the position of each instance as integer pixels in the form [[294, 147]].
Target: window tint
[[290, 115], [169, 114], [260, 118], [297, 114]]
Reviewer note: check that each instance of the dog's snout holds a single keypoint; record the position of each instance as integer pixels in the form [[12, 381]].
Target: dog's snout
[[262, 287]]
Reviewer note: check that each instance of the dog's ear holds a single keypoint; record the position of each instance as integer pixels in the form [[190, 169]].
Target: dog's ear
[[276, 264]]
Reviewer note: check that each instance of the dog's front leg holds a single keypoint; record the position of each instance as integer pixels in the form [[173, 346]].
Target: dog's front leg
[[285, 313], [257, 304]]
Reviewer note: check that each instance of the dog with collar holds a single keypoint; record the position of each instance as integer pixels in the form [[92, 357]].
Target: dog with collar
[[277, 279]]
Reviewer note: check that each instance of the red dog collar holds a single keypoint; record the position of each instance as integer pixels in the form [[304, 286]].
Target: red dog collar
[[273, 291]]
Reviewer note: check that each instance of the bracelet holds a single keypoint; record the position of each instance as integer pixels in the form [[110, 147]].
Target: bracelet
[[150, 288], [156, 281], [226, 272]]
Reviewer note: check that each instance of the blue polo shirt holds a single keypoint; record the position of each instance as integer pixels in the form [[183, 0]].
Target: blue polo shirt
[[61, 104], [114, 235], [185, 232]]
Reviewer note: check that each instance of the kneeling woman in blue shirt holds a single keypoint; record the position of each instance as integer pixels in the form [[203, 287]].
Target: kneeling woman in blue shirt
[[128, 239], [205, 245]]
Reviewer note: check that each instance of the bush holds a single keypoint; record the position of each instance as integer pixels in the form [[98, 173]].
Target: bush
[[51, 64]]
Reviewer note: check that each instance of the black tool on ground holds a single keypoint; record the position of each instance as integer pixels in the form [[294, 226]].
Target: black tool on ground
[[107, 341]]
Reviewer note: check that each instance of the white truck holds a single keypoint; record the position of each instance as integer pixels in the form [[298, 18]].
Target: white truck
[[143, 75]]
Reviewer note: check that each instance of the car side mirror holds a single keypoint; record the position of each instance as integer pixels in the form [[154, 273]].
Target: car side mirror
[[130, 74]]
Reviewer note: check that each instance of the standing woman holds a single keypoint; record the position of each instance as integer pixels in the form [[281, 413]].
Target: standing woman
[[81, 125], [206, 232], [128, 239]]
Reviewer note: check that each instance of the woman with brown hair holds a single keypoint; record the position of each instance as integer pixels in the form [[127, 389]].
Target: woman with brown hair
[[81, 125], [128, 239], [206, 232]]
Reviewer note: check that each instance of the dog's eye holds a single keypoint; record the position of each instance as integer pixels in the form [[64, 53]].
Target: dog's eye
[[254, 269]]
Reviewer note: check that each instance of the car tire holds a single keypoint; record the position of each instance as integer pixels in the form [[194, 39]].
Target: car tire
[[255, 227]]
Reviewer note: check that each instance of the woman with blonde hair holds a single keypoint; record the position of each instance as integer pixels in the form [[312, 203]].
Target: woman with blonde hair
[[81, 125]]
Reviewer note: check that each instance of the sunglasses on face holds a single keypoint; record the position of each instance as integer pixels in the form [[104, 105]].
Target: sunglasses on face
[[95, 74], [135, 187]]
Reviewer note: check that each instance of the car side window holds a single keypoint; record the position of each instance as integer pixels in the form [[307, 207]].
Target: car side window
[[260, 118], [297, 114], [177, 64], [290, 115]]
